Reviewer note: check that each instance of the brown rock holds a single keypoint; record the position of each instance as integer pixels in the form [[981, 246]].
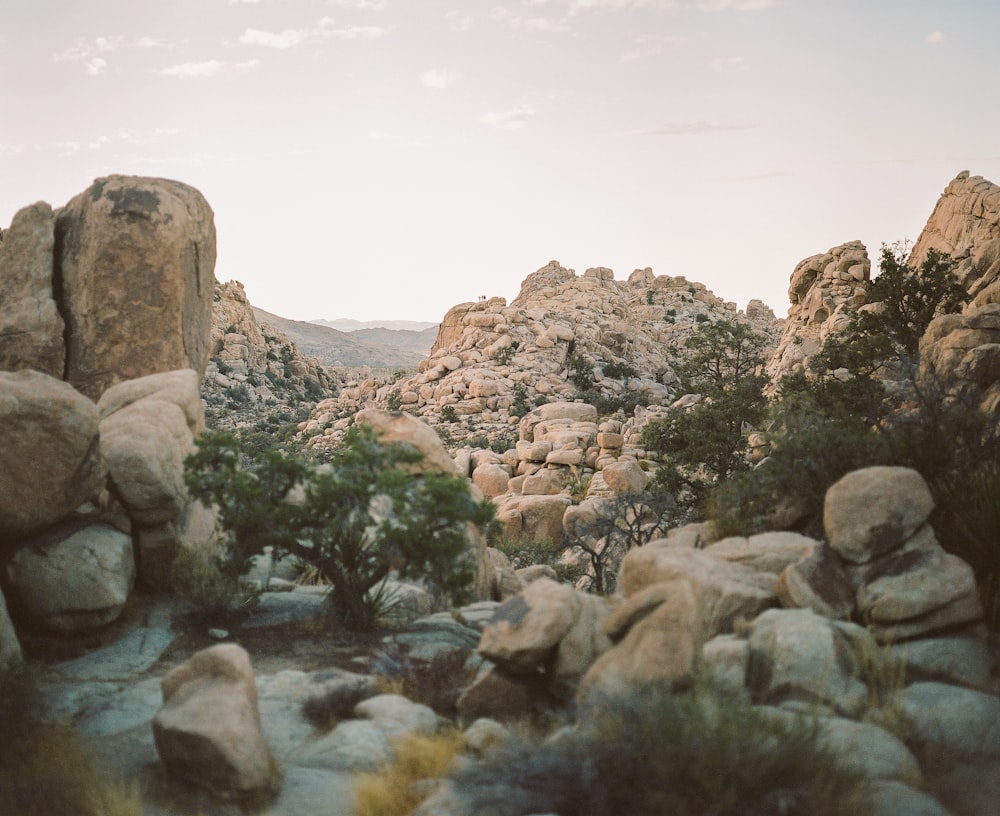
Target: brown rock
[[137, 258], [50, 460], [31, 329], [766, 552], [872, 511], [208, 729], [661, 648], [500, 696], [403, 428], [726, 592], [524, 631]]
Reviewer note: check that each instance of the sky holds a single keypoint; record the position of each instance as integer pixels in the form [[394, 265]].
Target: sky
[[388, 159]]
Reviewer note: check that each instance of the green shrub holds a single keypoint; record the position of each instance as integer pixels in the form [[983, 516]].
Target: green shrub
[[214, 593], [520, 405], [394, 402], [580, 372], [448, 414], [656, 753], [619, 371], [504, 356], [701, 317], [967, 523]]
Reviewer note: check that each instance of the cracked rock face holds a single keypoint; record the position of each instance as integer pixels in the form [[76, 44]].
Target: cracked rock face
[[74, 577], [136, 257]]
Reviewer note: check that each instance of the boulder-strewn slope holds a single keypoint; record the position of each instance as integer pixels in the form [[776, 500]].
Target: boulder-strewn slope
[[491, 359]]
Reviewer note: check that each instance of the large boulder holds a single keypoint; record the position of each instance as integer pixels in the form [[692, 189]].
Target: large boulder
[[798, 656], [136, 256], [146, 440], [50, 460], [74, 577], [726, 591], [208, 729], [872, 511], [31, 329], [402, 428]]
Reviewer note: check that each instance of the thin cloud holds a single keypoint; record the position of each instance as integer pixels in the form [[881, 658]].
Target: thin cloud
[[458, 22], [935, 38], [648, 45], [325, 29], [531, 25], [771, 174], [688, 128], [95, 66], [270, 39], [84, 48], [578, 6], [194, 70], [513, 119], [11, 149], [149, 42], [722, 65], [438, 78], [737, 5], [359, 5]]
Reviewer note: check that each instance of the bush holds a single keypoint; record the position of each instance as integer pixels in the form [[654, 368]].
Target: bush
[[967, 523], [448, 414], [520, 405], [214, 593], [356, 519], [436, 683], [619, 371], [701, 317], [504, 356], [394, 402], [580, 372], [657, 753]]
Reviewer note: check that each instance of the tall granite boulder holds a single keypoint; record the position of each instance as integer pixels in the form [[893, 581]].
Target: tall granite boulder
[[31, 329], [50, 460], [136, 257]]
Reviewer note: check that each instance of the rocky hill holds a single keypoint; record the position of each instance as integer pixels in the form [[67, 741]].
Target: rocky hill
[[563, 337]]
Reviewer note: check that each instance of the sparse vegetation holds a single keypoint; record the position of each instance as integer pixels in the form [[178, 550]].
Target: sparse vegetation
[[656, 753], [505, 355], [448, 414], [214, 592], [580, 372], [619, 371], [394, 791]]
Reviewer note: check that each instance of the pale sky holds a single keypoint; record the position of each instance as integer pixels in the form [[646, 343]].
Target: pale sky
[[391, 158]]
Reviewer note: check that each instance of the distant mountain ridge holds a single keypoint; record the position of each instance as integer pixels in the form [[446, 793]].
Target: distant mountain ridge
[[345, 324], [337, 348]]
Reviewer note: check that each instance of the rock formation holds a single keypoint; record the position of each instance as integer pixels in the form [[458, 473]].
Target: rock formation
[[135, 261], [825, 291], [84, 487]]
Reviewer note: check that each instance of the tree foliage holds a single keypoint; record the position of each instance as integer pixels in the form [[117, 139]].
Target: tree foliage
[[705, 444], [356, 519]]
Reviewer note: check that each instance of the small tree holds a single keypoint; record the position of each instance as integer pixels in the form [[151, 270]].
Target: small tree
[[356, 519], [706, 444]]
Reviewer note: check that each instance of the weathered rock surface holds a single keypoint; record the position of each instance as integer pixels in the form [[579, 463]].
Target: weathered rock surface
[[825, 291], [872, 511], [50, 460], [10, 647], [208, 730], [31, 328], [142, 248], [74, 576]]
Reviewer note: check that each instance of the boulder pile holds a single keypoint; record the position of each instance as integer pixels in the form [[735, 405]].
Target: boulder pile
[[103, 343]]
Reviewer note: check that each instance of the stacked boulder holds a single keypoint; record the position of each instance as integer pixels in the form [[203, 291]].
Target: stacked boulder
[[773, 617], [99, 403]]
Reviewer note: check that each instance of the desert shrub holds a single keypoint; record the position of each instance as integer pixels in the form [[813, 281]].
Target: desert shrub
[[504, 356], [436, 683], [325, 710], [45, 768], [519, 407], [580, 372], [529, 552], [238, 395], [701, 317], [357, 519], [504, 442], [394, 791], [213, 592], [967, 523], [619, 371], [394, 402], [448, 414], [478, 441], [656, 753]]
